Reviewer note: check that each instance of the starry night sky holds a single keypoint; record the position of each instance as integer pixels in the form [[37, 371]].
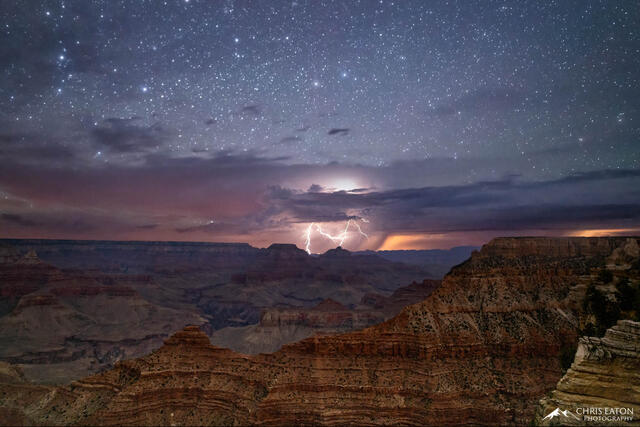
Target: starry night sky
[[428, 124]]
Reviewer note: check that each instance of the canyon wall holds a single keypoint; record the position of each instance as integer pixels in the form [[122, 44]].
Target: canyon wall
[[483, 348]]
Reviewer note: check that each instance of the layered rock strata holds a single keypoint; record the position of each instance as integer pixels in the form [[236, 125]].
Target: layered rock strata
[[603, 384], [91, 303], [481, 349]]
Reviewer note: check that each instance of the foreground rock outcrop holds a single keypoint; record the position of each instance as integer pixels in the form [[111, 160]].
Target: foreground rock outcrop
[[603, 384], [483, 348]]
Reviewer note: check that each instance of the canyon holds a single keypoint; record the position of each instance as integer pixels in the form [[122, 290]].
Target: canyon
[[72, 308], [482, 348]]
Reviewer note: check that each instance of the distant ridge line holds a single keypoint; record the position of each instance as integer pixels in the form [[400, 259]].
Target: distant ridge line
[[121, 242]]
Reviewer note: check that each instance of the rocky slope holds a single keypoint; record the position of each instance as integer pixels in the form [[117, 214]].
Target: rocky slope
[[604, 374], [481, 349], [279, 326]]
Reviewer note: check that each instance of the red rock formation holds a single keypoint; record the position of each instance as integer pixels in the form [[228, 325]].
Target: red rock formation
[[481, 349]]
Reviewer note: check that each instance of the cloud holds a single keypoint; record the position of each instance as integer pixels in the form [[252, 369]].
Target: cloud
[[338, 131], [45, 222], [598, 198], [19, 147], [251, 110], [246, 195], [17, 220], [127, 136]]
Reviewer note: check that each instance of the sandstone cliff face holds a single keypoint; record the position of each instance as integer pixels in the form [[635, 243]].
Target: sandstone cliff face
[[604, 374], [481, 349]]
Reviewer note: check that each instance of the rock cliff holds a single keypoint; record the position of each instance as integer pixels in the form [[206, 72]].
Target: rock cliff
[[605, 376], [483, 348]]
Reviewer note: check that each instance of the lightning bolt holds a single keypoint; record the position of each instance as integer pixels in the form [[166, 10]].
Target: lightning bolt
[[307, 243], [339, 239]]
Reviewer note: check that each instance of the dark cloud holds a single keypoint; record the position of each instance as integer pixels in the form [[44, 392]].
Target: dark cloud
[[507, 204], [128, 136], [70, 222], [17, 220], [251, 110], [44, 221], [33, 148], [338, 131]]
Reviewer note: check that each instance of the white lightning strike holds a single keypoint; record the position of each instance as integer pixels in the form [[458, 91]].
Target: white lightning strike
[[340, 238]]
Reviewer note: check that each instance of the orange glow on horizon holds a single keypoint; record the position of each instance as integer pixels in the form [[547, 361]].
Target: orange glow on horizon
[[604, 232], [396, 241], [415, 242]]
